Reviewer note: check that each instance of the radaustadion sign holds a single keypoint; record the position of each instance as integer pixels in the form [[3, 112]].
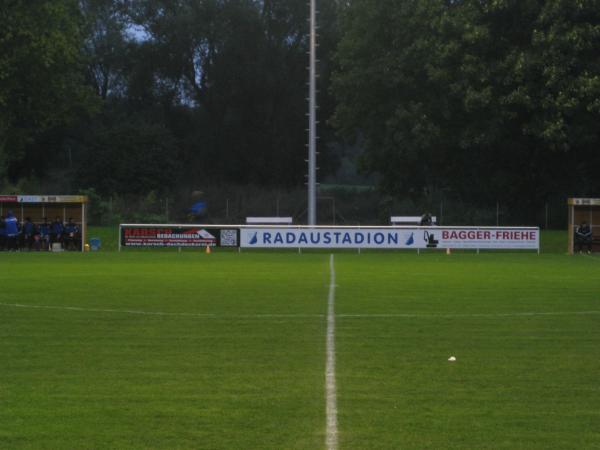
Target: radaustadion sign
[[392, 238]]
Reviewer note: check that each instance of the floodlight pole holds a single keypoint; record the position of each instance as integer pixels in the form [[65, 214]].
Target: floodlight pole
[[312, 118]]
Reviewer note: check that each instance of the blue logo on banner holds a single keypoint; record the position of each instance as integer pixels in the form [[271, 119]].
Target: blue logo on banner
[[411, 239], [254, 239]]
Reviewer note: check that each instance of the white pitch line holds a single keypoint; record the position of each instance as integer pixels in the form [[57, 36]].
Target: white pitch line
[[301, 316], [167, 314], [117, 311], [330, 387], [451, 316]]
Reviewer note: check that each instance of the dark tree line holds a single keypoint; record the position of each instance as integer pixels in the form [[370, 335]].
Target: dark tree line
[[488, 100], [133, 96], [484, 100]]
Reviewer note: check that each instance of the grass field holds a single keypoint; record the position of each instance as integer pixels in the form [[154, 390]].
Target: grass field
[[228, 351]]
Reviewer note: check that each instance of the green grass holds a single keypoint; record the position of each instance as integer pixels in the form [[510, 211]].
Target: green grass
[[234, 357], [520, 381]]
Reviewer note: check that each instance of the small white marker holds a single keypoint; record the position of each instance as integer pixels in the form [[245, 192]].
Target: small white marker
[[452, 359]]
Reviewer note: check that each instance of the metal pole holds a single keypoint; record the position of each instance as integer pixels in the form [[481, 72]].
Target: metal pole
[[312, 119]]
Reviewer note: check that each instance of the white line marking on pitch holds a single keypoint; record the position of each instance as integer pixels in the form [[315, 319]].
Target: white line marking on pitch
[[330, 387], [298, 316], [118, 311], [451, 316]]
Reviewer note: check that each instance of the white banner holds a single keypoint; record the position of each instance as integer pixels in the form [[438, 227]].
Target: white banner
[[392, 237]]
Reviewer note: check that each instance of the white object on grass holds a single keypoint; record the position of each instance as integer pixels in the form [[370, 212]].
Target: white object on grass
[[452, 359]]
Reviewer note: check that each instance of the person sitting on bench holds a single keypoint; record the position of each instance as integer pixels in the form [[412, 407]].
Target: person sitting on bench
[[27, 235], [71, 234], [583, 237], [56, 231], [44, 230]]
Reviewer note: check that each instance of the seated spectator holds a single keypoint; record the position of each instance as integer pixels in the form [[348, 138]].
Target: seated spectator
[[11, 228], [56, 231], [583, 237], [44, 234], [71, 235], [36, 240], [27, 235], [426, 220]]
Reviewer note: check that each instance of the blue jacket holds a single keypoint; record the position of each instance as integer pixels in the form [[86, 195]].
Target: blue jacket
[[28, 228], [44, 229], [57, 228], [71, 228], [11, 226]]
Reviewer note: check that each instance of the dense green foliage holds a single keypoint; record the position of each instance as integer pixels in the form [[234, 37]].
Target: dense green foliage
[[187, 93], [472, 101], [222, 351], [488, 100], [41, 82]]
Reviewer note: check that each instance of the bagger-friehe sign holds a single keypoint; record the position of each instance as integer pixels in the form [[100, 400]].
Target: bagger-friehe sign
[[178, 236], [392, 238]]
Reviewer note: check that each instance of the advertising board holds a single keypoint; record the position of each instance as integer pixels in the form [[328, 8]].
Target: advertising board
[[43, 199], [392, 238], [178, 236]]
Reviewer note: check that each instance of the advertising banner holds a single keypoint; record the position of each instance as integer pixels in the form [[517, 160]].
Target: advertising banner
[[178, 236], [392, 238], [43, 199]]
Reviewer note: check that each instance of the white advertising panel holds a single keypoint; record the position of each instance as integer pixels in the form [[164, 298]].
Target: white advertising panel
[[392, 237]]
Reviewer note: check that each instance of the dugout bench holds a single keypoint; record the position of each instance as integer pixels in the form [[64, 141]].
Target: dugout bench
[[38, 207], [584, 210]]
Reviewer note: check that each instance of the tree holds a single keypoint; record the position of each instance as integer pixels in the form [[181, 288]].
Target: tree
[[239, 67], [489, 99], [129, 155], [41, 76]]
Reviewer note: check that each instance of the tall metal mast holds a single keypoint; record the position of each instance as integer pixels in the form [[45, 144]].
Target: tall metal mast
[[312, 118]]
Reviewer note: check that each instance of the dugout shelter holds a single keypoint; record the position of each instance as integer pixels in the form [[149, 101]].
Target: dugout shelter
[[584, 210], [50, 206]]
